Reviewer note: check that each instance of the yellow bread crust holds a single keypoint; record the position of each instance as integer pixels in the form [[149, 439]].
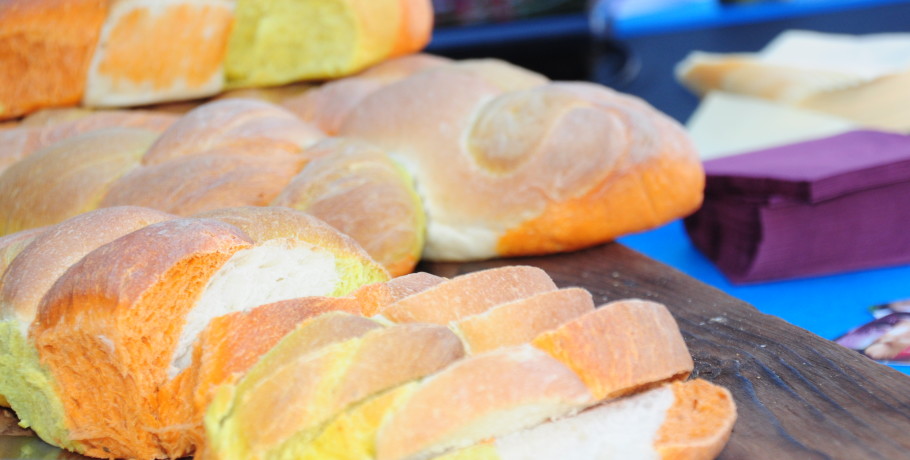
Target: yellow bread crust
[[621, 347]]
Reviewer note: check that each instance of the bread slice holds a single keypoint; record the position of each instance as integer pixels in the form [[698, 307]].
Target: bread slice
[[469, 294], [263, 416], [198, 183], [231, 344], [376, 296], [256, 126], [520, 321], [45, 48], [68, 178], [483, 396], [620, 348], [682, 420], [187, 38], [382, 212]]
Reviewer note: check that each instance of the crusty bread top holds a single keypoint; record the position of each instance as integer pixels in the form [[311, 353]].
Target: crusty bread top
[[520, 321], [74, 176], [475, 129], [138, 256], [197, 183], [373, 298], [11, 245], [621, 347], [447, 301], [244, 122], [20, 142], [57, 248], [329, 105]]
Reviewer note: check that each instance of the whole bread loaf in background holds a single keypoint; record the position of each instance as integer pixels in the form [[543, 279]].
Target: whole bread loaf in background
[[432, 159], [116, 53]]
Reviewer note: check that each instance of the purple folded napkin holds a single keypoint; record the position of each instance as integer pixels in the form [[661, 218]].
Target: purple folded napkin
[[825, 206]]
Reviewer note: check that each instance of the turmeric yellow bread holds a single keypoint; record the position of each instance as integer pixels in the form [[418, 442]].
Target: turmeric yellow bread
[[117, 53]]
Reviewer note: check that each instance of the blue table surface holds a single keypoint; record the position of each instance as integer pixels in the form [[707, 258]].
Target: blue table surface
[[825, 305]]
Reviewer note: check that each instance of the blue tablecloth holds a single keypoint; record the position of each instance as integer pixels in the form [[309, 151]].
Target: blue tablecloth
[[828, 306]]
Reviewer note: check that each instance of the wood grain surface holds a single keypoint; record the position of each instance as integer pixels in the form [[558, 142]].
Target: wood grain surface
[[9, 424], [798, 395]]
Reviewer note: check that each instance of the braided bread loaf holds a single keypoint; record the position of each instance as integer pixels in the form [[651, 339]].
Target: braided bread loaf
[[261, 332], [431, 158], [106, 53]]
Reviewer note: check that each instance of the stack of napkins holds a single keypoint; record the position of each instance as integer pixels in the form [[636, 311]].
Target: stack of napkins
[[817, 207]]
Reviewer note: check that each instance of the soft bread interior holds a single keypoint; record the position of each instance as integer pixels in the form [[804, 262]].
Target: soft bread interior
[[624, 429], [480, 397], [690, 420], [275, 270]]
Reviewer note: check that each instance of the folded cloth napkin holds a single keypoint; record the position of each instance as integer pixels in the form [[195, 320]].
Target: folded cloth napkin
[[824, 206]]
